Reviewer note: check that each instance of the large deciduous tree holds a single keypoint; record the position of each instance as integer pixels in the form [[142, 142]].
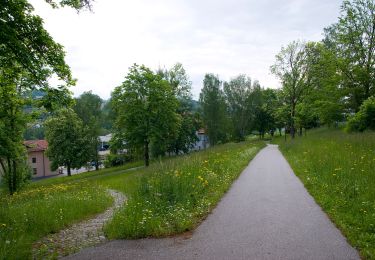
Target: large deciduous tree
[[145, 105], [88, 107], [68, 144], [12, 124], [325, 96], [237, 94], [291, 67], [28, 58], [352, 39], [214, 110], [181, 85]]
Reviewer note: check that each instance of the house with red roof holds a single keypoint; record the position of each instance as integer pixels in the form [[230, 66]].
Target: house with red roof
[[37, 158]]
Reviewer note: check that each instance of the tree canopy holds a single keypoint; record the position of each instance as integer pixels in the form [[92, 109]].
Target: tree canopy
[[214, 111], [68, 144], [352, 39], [145, 105]]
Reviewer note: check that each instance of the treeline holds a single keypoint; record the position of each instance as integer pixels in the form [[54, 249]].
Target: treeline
[[331, 81], [154, 115]]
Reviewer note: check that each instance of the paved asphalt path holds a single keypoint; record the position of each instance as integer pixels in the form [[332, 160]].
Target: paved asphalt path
[[267, 214]]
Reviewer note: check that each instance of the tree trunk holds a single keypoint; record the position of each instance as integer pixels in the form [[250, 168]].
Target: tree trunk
[[97, 165], [96, 155], [14, 175], [69, 170], [292, 128], [147, 156], [97, 161], [285, 134], [292, 131], [10, 177], [300, 131]]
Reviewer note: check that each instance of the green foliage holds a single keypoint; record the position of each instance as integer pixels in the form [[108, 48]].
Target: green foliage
[[352, 39], [12, 123], [364, 118], [67, 142], [325, 97], [145, 106], [27, 45], [214, 111], [338, 170], [291, 67], [34, 133], [305, 116], [237, 95], [113, 160], [107, 118], [33, 213], [29, 57], [179, 81], [264, 102], [18, 178], [88, 108], [76, 4], [173, 196], [185, 136]]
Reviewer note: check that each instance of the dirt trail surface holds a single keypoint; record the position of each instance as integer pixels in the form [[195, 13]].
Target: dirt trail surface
[[78, 236], [267, 214]]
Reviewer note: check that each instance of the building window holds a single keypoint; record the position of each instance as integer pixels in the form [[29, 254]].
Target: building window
[[33, 160], [35, 172]]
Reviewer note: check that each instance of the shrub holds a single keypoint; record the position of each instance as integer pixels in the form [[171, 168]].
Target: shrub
[[117, 160], [20, 178], [364, 118]]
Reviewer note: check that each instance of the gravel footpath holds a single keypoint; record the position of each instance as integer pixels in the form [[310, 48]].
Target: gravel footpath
[[267, 214], [78, 236]]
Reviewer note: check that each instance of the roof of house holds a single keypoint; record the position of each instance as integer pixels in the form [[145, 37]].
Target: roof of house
[[36, 145]]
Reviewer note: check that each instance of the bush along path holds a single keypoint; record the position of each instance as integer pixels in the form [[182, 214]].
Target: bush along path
[[84, 234]]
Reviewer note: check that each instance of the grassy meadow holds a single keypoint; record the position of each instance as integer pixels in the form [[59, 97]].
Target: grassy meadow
[[174, 196], [338, 169], [171, 196], [33, 213]]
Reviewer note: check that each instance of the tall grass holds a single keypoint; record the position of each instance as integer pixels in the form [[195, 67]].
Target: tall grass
[[338, 169], [168, 197], [30, 215], [175, 195]]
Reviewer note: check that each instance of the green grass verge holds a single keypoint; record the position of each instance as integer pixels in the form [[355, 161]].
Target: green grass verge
[[87, 175], [31, 214], [49, 205], [174, 195], [338, 169]]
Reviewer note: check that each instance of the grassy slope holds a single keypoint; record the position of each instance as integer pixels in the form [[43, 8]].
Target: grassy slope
[[175, 195], [338, 169], [31, 214], [50, 205]]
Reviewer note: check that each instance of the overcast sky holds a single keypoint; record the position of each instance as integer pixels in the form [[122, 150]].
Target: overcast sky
[[222, 37]]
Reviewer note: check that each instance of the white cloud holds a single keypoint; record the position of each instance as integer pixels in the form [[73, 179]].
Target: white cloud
[[221, 37]]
